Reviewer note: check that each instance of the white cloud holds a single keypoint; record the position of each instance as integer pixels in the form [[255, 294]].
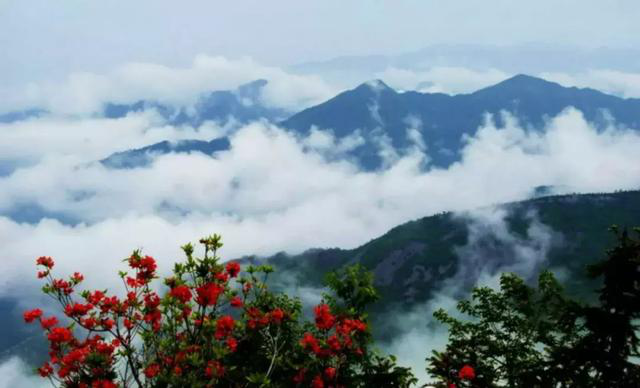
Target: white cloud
[[15, 373], [449, 80], [84, 93], [619, 83], [488, 235], [92, 138], [271, 192], [325, 142]]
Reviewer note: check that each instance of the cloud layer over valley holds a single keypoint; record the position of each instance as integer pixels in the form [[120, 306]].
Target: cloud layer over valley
[[272, 190]]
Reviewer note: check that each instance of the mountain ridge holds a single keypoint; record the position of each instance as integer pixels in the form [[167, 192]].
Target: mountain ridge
[[445, 119]]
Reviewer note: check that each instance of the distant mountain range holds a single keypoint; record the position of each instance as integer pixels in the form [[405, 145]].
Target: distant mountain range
[[141, 157], [11, 117], [414, 260], [528, 58], [242, 105], [376, 110], [380, 114]]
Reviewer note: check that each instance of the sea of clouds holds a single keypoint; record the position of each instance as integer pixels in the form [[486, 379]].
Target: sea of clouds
[[272, 191]]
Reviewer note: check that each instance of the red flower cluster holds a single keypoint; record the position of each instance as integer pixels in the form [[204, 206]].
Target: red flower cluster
[[182, 293], [467, 373], [276, 316], [214, 369], [45, 261], [257, 319], [48, 323], [324, 318], [310, 342], [62, 286], [224, 327], [336, 337], [192, 331], [236, 301], [233, 269], [59, 335], [77, 277], [145, 266], [208, 294], [152, 371], [32, 315], [77, 309]]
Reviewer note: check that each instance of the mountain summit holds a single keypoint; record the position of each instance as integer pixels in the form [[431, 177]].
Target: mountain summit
[[377, 110]]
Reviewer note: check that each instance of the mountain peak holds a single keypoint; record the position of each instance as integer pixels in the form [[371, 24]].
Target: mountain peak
[[251, 89], [519, 84], [375, 85], [524, 80]]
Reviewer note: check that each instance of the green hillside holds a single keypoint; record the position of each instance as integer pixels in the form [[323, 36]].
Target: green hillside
[[413, 260]]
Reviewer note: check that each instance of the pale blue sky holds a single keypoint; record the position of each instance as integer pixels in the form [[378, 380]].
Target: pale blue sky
[[49, 39]]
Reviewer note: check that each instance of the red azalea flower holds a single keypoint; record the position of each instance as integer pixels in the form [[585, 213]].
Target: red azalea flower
[[60, 334], [77, 309], [62, 286], [232, 344], [48, 323], [330, 373], [214, 368], [208, 294], [277, 316], [467, 373], [151, 300], [45, 370], [236, 301], [152, 370], [103, 384], [334, 343], [221, 276], [233, 269], [95, 297], [324, 318], [182, 293], [308, 341], [30, 316], [224, 326], [45, 261], [317, 382]]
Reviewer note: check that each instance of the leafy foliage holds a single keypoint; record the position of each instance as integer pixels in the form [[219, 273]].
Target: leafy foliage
[[510, 333], [612, 337], [522, 336], [214, 326]]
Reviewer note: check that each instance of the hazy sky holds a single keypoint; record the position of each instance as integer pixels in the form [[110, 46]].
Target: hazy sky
[[49, 39], [286, 192]]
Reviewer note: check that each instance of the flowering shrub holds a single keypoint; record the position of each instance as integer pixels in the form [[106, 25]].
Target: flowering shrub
[[211, 325]]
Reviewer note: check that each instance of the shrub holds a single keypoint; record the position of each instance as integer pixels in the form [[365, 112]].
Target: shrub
[[212, 325]]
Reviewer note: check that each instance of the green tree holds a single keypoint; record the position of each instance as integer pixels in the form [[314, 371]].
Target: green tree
[[509, 336], [607, 351], [522, 336]]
